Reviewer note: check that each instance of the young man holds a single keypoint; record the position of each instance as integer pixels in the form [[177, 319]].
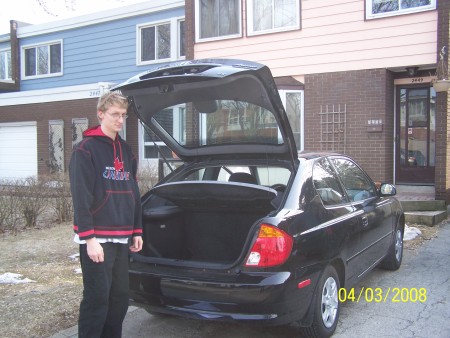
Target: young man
[[107, 213]]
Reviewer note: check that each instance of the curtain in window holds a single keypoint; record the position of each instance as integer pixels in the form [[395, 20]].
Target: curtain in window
[[414, 3], [43, 56], [148, 44], [285, 13], [270, 14], [163, 41], [155, 43], [385, 6], [218, 18], [30, 61], [262, 15], [55, 58], [181, 38], [5, 62]]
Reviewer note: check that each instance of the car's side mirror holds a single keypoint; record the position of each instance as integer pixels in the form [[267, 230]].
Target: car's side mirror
[[387, 189]]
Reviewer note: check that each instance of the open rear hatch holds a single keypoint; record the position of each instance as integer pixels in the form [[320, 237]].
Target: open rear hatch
[[221, 108]]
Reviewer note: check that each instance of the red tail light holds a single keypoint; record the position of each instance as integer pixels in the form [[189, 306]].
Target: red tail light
[[272, 247]]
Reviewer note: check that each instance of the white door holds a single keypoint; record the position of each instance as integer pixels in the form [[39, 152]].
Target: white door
[[18, 150]]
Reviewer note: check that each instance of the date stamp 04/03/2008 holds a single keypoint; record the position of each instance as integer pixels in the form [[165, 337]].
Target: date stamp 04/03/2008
[[383, 295]]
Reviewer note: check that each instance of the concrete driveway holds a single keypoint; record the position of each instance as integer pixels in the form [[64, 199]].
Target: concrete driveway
[[411, 302]]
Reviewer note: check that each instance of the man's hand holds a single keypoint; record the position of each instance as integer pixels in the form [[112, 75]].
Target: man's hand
[[95, 250], [137, 244]]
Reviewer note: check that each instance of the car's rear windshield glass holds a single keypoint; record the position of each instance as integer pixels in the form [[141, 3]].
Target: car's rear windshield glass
[[218, 122]]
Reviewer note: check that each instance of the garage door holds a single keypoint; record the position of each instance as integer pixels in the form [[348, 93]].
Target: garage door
[[18, 150]]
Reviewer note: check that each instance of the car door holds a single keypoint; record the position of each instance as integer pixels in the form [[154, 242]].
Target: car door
[[375, 219], [338, 210]]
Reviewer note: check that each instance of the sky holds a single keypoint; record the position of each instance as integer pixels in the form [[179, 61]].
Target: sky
[[42, 11]]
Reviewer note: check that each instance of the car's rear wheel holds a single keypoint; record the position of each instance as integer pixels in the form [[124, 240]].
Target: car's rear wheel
[[326, 306], [393, 260]]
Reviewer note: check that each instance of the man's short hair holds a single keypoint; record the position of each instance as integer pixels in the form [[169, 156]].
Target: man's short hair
[[111, 99]]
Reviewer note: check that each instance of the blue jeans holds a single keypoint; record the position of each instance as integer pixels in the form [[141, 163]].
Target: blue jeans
[[105, 295]]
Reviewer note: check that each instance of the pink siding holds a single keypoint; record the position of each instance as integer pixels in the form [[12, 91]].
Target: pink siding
[[335, 37]]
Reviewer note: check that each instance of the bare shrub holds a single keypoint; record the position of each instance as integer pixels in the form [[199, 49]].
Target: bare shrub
[[34, 199], [10, 215], [147, 178], [60, 201]]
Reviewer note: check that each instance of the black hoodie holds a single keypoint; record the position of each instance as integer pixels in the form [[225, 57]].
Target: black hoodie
[[106, 199]]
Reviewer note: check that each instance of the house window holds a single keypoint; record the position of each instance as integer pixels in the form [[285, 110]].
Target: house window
[[294, 105], [42, 60], [79, 126], [382, 8], [181, 38], [56, 146], [173, 120], [5, 65], [216, 19], [268, 16], [162, 41]]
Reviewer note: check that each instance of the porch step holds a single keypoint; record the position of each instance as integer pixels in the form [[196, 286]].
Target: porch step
[[424, 205], [430, 218], [426, 212]]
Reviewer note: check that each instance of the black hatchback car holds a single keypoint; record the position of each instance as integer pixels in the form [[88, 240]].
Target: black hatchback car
[[247, 229]]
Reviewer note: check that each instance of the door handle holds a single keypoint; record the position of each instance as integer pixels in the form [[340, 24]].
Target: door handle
[[364, 221]]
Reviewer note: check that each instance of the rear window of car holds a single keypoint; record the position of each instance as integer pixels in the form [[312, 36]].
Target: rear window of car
[[262, 175]]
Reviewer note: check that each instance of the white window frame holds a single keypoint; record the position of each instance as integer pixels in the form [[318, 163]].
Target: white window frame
[[250, 18], [222, 37], [174, 41], [8, 65], [400, 11], [179, 40], [43, 44], [177, 131], [282, 93]]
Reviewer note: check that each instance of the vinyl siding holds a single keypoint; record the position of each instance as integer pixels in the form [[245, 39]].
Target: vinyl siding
[[335, 37], [102, 52]]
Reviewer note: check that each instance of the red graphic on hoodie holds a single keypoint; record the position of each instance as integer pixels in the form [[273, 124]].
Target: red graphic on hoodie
[[118, 165]]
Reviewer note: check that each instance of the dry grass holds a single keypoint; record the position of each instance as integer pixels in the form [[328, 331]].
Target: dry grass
[[427, 233], [50, 304]]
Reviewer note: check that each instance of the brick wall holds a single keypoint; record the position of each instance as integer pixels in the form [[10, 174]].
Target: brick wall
[[66, 111], [367, 95], [189, 28], [442, 185]]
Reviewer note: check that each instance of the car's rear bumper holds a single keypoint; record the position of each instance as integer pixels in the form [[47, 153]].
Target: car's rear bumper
[[264, 298]]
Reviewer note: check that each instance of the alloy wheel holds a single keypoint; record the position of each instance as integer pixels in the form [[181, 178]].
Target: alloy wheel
[[329, 302]]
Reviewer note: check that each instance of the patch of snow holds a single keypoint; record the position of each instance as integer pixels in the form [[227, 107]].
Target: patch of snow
[[74, 257], [411, 233], [14, 278]]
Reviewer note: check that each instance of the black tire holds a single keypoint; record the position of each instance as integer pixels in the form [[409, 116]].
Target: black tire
[[326, 306], [394, 257]]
